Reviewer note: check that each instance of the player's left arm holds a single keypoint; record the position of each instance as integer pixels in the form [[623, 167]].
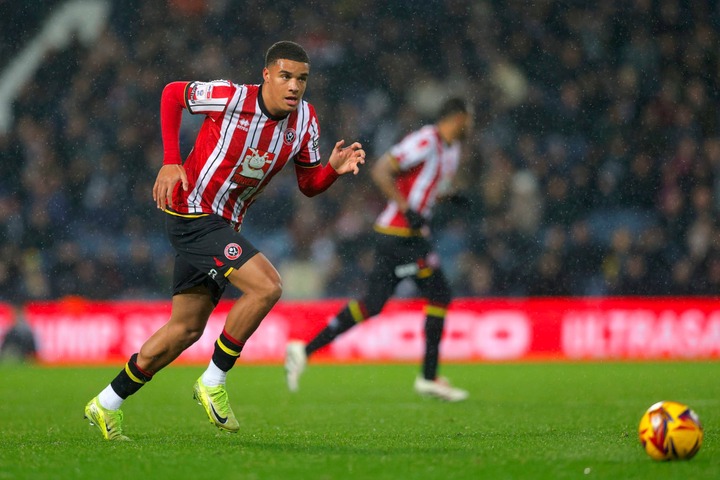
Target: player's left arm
[[313, 180]]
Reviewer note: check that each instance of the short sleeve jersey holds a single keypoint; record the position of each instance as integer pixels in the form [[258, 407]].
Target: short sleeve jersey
[[239, 148], [427, 167]]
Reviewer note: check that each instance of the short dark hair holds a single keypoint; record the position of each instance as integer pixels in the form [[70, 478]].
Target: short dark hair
[[287, 50], [452, 106]]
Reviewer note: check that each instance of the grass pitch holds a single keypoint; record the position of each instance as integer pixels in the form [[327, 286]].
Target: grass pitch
[[534, 421]]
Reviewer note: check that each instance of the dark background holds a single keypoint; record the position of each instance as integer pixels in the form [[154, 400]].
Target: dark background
[[593, 169]]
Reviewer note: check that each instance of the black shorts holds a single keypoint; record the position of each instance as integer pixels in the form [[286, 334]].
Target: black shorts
[[403, 256], [398, 258], [207, 250]]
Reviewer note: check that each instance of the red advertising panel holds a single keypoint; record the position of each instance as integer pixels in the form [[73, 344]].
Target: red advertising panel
[[77, 331], [7, 319]]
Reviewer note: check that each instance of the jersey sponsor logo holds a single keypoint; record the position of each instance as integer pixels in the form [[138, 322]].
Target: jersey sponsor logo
[[200, 91], [315, 144], [254, 166], [233, 251], [289, 136], [244, 124], [407, 270]]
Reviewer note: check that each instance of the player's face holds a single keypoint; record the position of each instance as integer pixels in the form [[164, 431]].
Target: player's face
[[463, 125], [284, 87]]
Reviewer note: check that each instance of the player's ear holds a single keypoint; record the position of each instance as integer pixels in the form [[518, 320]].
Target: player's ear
[[266, 74]]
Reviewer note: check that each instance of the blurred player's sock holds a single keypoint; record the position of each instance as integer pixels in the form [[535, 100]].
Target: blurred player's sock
[[351, 315], [439, 388], [295, 361], [434, 324]]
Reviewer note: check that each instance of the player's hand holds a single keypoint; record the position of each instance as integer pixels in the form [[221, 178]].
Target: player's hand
[[414, 219], [348, 159], [459, 201], [167, 178]]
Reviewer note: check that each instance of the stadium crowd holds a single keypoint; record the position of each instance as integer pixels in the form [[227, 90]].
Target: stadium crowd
[[594, 165]]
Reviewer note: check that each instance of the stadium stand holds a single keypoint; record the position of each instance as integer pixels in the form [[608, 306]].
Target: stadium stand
[[595, 165]]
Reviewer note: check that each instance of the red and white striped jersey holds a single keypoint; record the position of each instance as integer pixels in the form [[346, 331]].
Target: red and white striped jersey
[[427, 167], [239, 148]]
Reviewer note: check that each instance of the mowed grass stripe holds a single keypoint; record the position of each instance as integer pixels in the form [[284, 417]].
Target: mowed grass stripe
[[535, 421]]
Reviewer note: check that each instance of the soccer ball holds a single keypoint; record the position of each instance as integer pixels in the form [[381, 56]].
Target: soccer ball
[[670, 431]]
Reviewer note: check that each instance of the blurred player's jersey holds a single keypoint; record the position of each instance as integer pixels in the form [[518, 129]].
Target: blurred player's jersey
[[239, 148], [427, 167]]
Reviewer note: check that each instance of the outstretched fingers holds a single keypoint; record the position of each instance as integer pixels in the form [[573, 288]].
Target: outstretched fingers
[[356, 157]]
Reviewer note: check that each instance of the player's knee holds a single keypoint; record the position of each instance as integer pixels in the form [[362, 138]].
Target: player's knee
[[192, 335], [270, 289], [186, 335], [373, 306]]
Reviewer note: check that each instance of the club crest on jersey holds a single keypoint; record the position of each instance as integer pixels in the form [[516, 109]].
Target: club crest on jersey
[[233, 251], [254, 166], [289, 136]]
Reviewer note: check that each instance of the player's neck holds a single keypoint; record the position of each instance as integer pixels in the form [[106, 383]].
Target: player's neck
[[446, 133], [266, 110]]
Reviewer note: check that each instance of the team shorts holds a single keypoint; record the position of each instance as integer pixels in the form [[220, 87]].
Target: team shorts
[[403, 256], [398, 258], [207, 250]]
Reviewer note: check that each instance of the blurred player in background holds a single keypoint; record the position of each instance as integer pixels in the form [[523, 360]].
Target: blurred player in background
[[249, 133], [412, 175]]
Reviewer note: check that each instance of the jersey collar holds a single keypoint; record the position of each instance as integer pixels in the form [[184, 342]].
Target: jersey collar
[[264, 109]]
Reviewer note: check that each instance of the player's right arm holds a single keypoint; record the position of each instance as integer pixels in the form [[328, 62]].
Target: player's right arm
[[386, 170], [383, 174], [172, 103], [207, 98]]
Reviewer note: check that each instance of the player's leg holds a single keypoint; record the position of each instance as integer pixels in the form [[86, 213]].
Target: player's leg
[[381, 284], [190, 312], [221, 255], [189, 315], [261, 287], [380, 287], [435, 288]]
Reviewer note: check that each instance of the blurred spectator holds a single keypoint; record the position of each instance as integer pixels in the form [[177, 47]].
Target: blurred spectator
[[597, 145], [18, 344]]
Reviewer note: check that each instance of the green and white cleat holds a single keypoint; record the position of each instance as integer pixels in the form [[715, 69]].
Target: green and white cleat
[[295, 362], [108, 421], [439, 388], [217, 406]]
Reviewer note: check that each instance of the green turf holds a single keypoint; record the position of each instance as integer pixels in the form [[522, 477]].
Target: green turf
[[538, 421]]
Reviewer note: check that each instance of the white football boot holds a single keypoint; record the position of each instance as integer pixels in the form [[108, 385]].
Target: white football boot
[[295, 361], [439, 388]]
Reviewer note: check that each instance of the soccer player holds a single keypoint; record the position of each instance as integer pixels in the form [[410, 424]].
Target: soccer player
[[412, 175], [249, 133]]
